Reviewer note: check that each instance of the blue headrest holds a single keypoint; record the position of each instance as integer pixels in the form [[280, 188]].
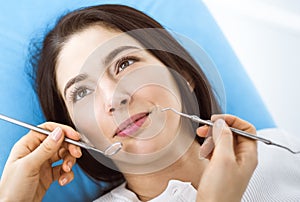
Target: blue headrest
[[22, 20]]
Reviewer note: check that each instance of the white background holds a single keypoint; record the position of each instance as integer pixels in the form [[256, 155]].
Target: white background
[[265, 35]]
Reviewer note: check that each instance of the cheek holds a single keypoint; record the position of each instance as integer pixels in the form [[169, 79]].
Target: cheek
[[152, 141], [103, 121], [86, 115], [160, 96], [162, 127]]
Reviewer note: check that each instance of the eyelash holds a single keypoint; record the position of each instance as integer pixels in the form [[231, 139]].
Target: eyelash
[[125, 59], [76, 90]]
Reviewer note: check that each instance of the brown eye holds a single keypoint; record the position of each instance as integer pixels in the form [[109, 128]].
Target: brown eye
[[124, 63]]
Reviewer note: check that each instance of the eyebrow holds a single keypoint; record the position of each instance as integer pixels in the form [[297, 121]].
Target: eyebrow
[[74, 80], [109, 58]]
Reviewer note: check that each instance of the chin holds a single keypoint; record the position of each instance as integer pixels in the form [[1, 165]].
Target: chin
[[144, 147]]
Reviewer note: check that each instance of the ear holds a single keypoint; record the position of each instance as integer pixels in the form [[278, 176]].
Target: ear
[[189, 80], [191, 84]]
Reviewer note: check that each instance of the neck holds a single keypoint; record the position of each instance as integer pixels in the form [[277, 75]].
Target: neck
[[188, 169]]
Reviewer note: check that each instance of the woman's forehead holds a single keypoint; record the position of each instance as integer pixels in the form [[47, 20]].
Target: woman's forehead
[[94, 41]]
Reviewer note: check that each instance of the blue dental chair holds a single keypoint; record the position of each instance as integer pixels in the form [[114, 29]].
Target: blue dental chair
[[20, 21]]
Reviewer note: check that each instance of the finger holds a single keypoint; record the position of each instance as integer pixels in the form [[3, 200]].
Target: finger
[[223, 140], [66, 178], [68, 131], [246, 149], [62, 152], [68, 162], [74, 150], [32, 140], [27, 144], [66, 148], [62, 177], [46, 149], [240, 124], [202, 131], [208, 145], [207, 148], [235, 122]]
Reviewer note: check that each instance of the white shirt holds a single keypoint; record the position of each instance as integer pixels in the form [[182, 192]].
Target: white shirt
[[276, 178], [175, 191]]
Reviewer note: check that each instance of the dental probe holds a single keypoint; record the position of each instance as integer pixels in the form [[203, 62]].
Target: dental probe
[[237, 131]]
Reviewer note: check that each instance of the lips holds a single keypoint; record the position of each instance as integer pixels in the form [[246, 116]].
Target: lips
[[131, 125]]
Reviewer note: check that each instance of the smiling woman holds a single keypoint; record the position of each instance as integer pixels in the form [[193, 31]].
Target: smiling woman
[[95, 92], [109, 71], [123, 100], [20, 23], [113, 87]]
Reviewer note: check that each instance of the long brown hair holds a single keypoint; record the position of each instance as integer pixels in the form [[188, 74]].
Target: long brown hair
[[124, 19]]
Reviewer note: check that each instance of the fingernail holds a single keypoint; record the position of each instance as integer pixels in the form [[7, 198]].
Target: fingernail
[[220, 123], [217, 129], [201, 158], [78, 134], [68, 168], [56, 134], [64, 181], [78, 151], [206, 148], [69, 165]]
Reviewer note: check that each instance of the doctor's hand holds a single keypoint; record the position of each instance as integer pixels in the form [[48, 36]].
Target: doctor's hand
[[28, 172], [231, 162]]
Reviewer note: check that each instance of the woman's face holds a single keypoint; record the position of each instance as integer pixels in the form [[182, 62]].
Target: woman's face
[[114, 90]]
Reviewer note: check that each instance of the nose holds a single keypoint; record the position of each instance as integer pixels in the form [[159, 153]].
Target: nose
[[115, 100], [113, 96], [119, 103]]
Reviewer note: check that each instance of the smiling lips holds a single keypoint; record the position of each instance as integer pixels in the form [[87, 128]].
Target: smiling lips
[[131, 125]]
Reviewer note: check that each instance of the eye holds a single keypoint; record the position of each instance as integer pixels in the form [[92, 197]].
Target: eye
[[125, 62], [79, 93]]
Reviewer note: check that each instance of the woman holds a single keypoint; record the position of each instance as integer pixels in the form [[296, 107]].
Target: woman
[[106, 96]]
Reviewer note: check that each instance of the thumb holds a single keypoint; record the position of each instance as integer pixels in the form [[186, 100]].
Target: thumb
[[223, 138], [47, 149]]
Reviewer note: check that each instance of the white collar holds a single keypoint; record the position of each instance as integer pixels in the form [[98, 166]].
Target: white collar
[[175, 191]]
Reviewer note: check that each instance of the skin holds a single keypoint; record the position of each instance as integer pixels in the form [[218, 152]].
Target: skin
[[107, 96], [28, 170], [232, 161], [230, 164], [146, 186]]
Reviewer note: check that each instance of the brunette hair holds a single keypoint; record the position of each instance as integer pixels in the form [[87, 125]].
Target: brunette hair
[[124, 19]]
